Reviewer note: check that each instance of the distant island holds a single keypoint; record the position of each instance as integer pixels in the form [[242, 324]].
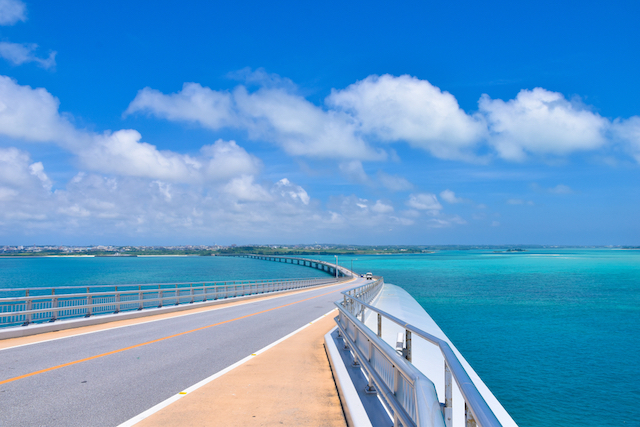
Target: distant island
[[204, 250], [283, 250]]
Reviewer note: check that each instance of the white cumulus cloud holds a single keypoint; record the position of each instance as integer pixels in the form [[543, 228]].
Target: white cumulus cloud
[[450, 197], [123, 153], [32, 114], [226, 159], [300, 127], [359, 121], [628, 132], [424, 201], [19, 173], [244, 189], [194, 103], [286, 188], [381, 207], [273, 114], [539, 121], [409, 109]]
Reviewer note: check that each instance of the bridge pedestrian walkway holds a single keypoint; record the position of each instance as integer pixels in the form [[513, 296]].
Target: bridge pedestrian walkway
[[290, 384]]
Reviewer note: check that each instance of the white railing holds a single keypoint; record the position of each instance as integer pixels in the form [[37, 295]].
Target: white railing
[[407, 393], [50, 304]]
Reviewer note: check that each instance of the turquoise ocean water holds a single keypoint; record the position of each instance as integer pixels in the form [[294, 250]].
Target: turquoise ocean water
[[83, 271], [555, 334]]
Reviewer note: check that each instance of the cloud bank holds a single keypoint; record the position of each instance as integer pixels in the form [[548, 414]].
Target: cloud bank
[[358, 122], [128, 187], [125, 185]]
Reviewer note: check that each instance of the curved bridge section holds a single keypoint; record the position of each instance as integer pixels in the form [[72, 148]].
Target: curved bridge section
[[313, 263]]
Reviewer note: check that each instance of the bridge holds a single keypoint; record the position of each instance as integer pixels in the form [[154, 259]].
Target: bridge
[[35, 306], [228, 354], [307, 262]]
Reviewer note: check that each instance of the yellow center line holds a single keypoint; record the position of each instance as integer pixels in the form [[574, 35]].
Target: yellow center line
[[86, 359]]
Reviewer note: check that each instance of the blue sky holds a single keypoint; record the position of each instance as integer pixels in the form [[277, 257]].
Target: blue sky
[[289, 122]]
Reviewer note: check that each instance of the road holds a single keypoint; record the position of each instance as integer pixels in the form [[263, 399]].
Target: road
[[106, 377]]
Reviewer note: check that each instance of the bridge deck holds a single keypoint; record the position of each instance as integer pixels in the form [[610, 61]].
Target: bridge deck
[[289, 384], [105, 375]]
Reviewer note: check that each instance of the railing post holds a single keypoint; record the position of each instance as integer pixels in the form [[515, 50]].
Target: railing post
[[379, 325], [193, 298], [177, 295], [396, 379], [89, 303], [448, 397], [370, 386], [28, 307], [408, 345], [54, 307], [140, 298], [117, 301], [468, 416], [160, 294]]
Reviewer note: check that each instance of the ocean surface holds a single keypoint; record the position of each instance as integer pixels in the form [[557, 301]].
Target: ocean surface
[[554, 333], [84, 271]]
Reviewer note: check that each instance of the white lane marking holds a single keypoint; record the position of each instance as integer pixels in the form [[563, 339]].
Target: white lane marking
[[133, 421], [266, 298]]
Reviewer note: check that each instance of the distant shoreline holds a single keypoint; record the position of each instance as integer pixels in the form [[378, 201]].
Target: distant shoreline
[[47, 256], [95, 256], [180, 255], [295, 252]]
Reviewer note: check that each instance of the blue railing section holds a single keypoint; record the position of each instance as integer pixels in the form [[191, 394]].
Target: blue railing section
[[36, 305]]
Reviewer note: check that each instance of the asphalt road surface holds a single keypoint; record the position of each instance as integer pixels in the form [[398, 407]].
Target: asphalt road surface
[[115, 374]]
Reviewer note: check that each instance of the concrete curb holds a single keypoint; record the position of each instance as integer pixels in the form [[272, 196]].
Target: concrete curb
[[352, 405]]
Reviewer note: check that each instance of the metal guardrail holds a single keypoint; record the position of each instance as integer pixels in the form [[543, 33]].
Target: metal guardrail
[[406, 391], [51, 304]]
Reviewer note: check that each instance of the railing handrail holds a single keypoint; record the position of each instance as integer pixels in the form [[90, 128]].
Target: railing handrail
[[408, 371], [140, 288], [23, 307], [132, 292], [151, 284], [481, 411], [149, 291]]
